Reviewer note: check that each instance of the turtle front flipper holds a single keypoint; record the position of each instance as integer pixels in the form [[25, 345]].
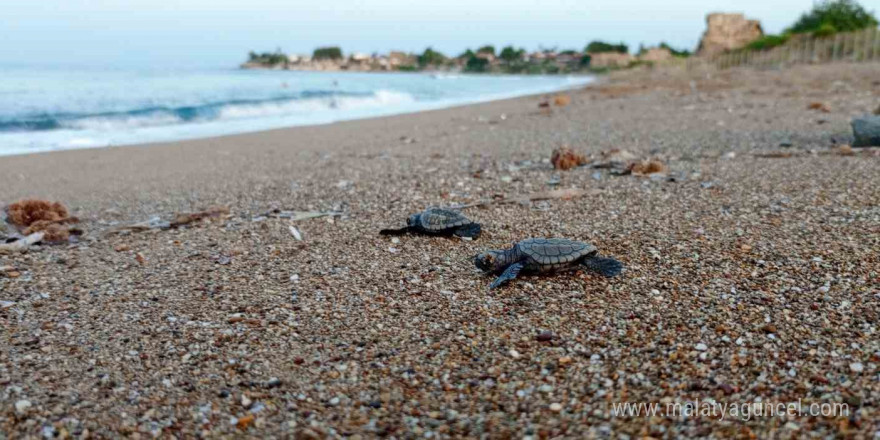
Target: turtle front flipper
[[471, 230], [604, 265], [400, 231], [509, 274]]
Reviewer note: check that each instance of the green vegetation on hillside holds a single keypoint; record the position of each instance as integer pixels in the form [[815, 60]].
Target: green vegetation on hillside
[[327, 53], [828, 17], [603, 47], [683, 53], [268, 58], [768, 42], [431, 57], [510, 55], [825, 19]]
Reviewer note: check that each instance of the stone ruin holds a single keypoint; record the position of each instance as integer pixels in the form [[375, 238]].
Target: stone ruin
[[728, 32]]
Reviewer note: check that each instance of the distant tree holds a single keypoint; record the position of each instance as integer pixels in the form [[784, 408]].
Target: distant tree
[[327, 53], [568, 52], [431, 58], [476, 64], [467, 54], [602, 47], [510, 54], [684, 53], [834, 16], [487, 49], [268, 58], [585, 60]]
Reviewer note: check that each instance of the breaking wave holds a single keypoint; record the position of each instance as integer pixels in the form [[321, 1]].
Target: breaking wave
[[302, 103]]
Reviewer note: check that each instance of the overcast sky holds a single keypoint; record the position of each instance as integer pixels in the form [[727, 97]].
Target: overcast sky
[[221, 32]]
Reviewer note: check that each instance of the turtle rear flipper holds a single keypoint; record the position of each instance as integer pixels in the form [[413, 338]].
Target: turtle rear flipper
[[400, 231], [470, 231], [603, 265]]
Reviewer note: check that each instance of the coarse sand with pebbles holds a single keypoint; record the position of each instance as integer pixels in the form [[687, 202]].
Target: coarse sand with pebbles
[[751, 273]]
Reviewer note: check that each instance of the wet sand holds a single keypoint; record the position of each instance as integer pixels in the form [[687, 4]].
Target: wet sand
[[747, 277]]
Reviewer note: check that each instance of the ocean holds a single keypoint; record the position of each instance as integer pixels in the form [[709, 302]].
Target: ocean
[[55, 109]]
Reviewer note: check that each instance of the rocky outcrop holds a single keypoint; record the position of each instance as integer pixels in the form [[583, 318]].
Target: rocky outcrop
[[867, 131], [727, 32]]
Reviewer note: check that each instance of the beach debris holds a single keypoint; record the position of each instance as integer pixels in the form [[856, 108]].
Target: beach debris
[[302, 215], [555, 194], [408, 140], [27, 212], [190, 217], [615, 159], [544, 104], [539, 255], [438, 221], [775, 155], [344, 184], [139, 257], [820, 106], [562, 100], [844, 150], [50, 218], [295, 232], [867, 131], [646, 167], [21, 244], [245, 422], [877, 110], [182, 219], [786, 143], [564, 158]]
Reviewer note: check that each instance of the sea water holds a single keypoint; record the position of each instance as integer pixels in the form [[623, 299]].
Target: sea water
[[54, 109]]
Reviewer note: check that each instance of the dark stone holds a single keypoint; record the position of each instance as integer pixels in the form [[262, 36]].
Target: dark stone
[[867, 131], [544, 336]]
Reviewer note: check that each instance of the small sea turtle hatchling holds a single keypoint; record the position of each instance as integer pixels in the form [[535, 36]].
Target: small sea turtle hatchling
[[538, 255], [438, 221]]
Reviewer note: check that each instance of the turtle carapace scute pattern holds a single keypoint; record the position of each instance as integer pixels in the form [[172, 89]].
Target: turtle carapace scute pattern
[[438, 221], [540, 255]]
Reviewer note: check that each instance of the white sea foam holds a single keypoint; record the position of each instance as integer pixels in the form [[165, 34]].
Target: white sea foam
[[44, 110]]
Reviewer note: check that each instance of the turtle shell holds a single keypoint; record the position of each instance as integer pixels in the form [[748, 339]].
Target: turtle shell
[[550, 251], [437, 220]]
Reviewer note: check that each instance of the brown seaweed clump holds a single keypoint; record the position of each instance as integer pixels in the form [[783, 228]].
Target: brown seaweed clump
[[43, 216], [565, 158], [27, 212]]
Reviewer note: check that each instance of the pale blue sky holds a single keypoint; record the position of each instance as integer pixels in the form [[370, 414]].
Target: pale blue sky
[[221, 32]]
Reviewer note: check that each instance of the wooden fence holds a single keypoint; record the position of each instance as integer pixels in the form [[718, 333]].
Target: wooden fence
[[861, 46]]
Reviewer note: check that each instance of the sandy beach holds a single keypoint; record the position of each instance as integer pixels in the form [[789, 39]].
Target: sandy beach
[[751, 273]]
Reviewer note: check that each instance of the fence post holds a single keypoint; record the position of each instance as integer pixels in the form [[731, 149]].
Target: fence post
[[835, 51], [874, 42]]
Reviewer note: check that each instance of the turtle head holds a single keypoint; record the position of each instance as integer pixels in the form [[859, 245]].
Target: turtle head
[[489, 261], [413, 220]]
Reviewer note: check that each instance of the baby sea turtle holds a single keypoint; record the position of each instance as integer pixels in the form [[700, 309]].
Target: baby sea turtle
[[438, 221], [537, 255]]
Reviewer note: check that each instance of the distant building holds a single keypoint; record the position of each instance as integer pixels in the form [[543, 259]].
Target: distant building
[[656, 54], [610, 59]]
